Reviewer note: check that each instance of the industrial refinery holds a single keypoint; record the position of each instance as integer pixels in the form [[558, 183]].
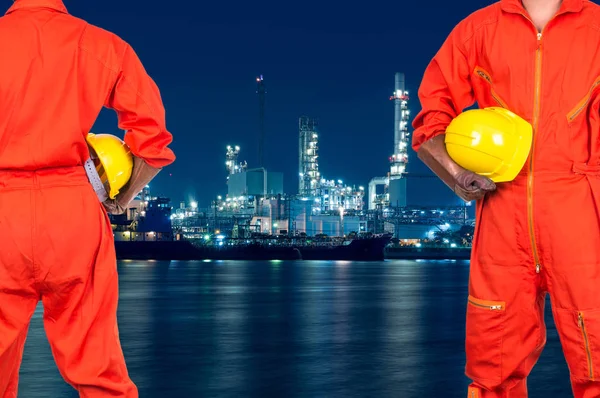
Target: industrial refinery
[[327, 195], [256, 203]]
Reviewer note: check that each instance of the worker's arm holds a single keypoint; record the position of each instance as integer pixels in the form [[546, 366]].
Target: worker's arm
[[140, 111], [444, 92]]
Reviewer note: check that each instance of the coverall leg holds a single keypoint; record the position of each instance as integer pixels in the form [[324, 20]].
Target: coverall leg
[[13, 368], [505, 324], [505, 329], [58, 247], [572, 256]]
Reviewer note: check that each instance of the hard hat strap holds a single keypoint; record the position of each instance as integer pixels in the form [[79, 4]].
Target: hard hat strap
[[95, 180]]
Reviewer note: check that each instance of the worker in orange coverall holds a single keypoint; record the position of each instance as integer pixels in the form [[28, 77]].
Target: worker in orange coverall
[[539, 233], [56, 241]]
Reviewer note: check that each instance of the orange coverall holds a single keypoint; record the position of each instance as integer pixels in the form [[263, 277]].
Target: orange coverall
[[541, 232], [56, 241]]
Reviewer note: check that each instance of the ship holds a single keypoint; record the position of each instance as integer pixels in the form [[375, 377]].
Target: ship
[[146, 232], [325, 219], [151, 230], [366, 247]]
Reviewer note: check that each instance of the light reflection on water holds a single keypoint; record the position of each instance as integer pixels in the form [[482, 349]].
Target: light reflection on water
[[291, 329]]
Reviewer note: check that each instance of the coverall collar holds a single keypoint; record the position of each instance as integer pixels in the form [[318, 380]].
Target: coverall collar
[[517, 6], [56, 5]]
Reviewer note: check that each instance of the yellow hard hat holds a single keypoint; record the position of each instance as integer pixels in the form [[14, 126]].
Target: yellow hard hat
[[113, 161], [492, 142]]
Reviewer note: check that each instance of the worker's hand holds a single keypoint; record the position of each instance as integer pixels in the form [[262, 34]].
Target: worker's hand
[[113, 206], [141, 175], [466, 184], [471, 186]]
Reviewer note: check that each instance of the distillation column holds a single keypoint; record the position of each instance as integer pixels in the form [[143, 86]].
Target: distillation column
[[309, 176], [399, 160]]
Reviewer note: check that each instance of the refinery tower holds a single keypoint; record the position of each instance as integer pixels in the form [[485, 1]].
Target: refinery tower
[[309, 175], [394, 184]]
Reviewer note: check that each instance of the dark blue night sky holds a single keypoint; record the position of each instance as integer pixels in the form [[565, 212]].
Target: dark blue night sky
[[331, 60]]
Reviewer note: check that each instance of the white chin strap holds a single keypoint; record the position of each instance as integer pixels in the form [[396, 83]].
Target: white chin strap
[[95, 180]]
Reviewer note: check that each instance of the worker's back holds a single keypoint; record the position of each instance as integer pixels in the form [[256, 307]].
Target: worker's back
[[56, 74]]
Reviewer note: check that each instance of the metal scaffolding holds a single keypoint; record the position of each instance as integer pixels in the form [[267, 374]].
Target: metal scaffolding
[[231, 162]]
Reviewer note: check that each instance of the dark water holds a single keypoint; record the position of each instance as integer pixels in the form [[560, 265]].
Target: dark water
[[304, 329]]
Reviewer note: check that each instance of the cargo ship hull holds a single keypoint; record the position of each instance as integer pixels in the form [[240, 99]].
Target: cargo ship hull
[[369, 249], [363, 249]]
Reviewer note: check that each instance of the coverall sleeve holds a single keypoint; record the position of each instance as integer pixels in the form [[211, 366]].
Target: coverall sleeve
[[141, 113], [445, 90]]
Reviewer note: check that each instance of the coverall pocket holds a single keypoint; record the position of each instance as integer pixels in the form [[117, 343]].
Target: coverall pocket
[[579, 334], [579, 109], [583, 120], [485, 93], [484, 339]]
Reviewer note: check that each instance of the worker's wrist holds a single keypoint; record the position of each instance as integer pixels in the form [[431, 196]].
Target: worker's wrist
[[454, 169], [123, 199], [436, 147]]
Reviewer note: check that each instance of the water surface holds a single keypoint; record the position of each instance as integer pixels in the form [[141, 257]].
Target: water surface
[[292, 329]]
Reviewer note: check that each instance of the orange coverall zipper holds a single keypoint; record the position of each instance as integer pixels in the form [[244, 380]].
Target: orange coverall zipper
[[536, 110], [536, 116], [587, 345], [574, 113], [485, 76], [490, 305]]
